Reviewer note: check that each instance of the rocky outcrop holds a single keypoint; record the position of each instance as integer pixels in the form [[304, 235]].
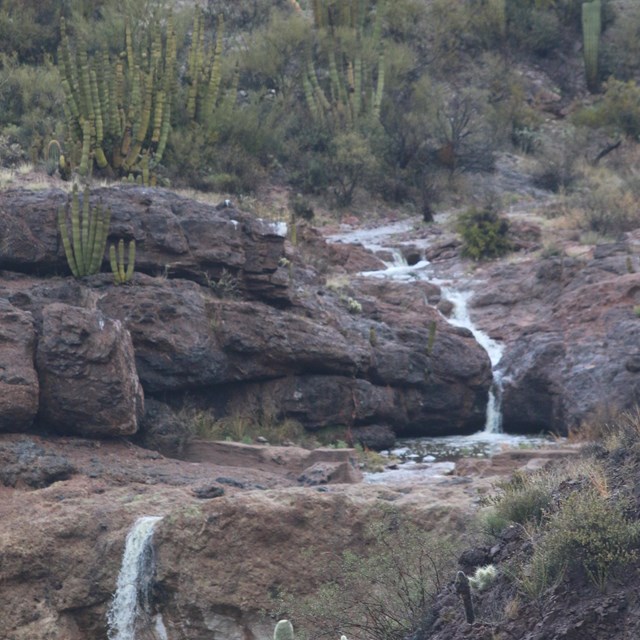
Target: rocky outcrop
[[572, 336], [88, 379], [18, 379], [221, 309], [174, 236], [237, 527]]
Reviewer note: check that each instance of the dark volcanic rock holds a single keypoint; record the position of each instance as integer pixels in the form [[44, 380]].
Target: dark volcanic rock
[[88, 379], [25, 464], [18, 378], [572, 338], [174, 235], [234, 325]]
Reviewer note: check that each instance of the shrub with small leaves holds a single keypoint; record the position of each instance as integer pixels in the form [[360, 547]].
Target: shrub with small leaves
[[592, 531], [484, 234]]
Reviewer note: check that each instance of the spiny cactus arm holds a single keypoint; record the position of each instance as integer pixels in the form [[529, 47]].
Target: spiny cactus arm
[[76, 233], [143, 123], [377, 99], [101, 159], [171, 55], [159, 105], [101, 220], [318, 92], [72, 110], [66, 242], [376, 33], [87, 234], [85, 158], [312, 101], [69, 77], [194, 65], [132, 260], [120, 275], [338, 93], [357, 85], [86, 102], [164, 136], [128, 43], [105, 85], [215, 73]]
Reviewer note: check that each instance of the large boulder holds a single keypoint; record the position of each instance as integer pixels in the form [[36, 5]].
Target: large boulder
[[88, 379], [18, 379]]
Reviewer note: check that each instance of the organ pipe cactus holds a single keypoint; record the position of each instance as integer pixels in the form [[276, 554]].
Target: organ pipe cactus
[[119, 109], [84, 247], [591, 28], [122, 272], [353, 53]]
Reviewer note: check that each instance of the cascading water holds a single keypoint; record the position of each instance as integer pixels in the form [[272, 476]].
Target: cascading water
[[131, 601], [461, 318], [428, 459], [398, 269]]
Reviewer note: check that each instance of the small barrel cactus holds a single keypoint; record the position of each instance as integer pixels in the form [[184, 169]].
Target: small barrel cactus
[[283, 631]]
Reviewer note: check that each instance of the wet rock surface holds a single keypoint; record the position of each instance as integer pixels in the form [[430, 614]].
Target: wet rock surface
[[227, 323]]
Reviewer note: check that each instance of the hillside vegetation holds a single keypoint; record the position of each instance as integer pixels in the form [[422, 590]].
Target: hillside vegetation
[[332, 99]]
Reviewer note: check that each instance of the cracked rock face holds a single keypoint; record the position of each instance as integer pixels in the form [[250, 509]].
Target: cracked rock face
[[88, 380], [19, 386], [212, 313]]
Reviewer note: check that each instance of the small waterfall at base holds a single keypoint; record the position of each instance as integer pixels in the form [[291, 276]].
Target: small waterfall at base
[[461, 318], [131, 600]]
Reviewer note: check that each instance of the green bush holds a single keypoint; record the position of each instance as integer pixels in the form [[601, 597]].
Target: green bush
[[618, 111], [591, 531], [484, 234], [522, 499]]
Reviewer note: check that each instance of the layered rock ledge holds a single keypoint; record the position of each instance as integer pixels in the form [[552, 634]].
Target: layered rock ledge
[[221, 310]]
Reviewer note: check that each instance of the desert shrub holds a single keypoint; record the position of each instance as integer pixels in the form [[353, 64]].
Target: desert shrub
[[558, 153], [274, 56], [591, 531], [31, 100], [484, 234], [620, 46], [610, 209], [383, 595], [618, 111], [246, 15], [522, 499], [351, 162]]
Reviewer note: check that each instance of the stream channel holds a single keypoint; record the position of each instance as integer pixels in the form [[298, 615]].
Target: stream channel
[[432, 458]]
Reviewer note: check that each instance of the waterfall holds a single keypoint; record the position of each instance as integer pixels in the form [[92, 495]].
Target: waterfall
[[131, 600], [461, 318], [376, 240]]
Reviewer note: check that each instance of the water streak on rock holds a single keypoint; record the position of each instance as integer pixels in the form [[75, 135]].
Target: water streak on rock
[[131, 601]]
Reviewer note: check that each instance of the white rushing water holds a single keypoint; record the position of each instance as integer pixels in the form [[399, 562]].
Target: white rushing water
[[461, 318], [431, 459], [131, 599], [398, 269]]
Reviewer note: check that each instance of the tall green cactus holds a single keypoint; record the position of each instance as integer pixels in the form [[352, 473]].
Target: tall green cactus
[[119, 109], [591, 28], [204, 72], [84, 246], [355, 85], [120, 273]]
